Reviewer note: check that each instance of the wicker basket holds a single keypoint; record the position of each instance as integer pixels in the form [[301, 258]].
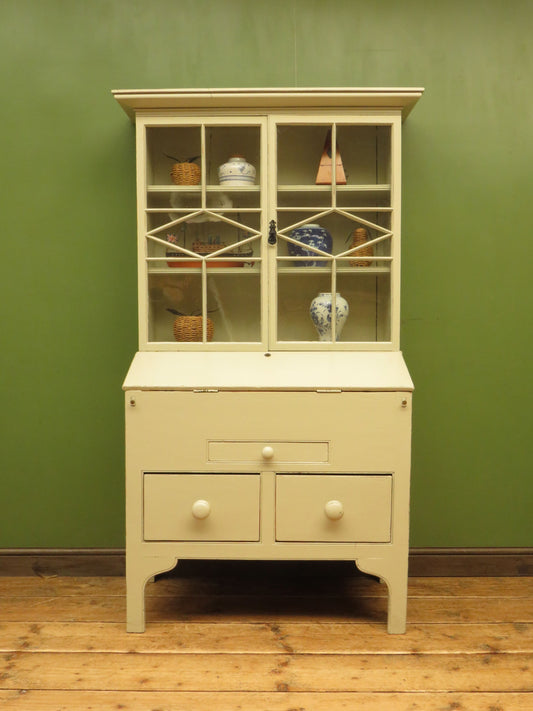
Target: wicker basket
[[360, 236], [189, 328], [185, 174]]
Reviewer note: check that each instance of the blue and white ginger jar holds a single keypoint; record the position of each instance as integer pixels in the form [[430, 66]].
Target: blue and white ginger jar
[[320, 311], [313, 236], [236, 171]]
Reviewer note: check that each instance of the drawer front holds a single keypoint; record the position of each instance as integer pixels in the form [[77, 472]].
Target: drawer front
[[268, 451], [186, 431], [201, 507], [334, 508]]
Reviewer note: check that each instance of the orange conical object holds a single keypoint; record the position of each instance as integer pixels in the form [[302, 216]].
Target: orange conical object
[[323, 176]]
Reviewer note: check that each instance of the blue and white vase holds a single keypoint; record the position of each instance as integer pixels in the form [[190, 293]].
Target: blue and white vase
[[236, 171], [313, 236], [320, 311]]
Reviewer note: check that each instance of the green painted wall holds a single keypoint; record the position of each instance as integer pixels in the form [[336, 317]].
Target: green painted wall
[[67, 220]]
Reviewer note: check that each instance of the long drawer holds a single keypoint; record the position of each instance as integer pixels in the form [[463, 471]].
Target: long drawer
[[270, 451]]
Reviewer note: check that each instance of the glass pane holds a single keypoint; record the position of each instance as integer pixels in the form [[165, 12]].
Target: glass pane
[[225, 142], [317, 198], [234, 305], [365, 153], [300, 232], [370, 238], [172, 201], [183, 144], [358, 271], [172, 296], [334, 233], [352, 198], [368, 296], [296, 290], [299, 151], [305, 307], [223, 242], [229, 200]]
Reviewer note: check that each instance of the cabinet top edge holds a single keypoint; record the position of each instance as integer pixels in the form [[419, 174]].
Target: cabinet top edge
[[402, 99]]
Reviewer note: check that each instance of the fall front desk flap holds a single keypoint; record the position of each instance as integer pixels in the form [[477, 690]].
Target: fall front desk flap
[[380, 371]]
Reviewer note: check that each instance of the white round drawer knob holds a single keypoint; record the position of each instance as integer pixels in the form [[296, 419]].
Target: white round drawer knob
[[201, 509], [267, 453], [334, 510]]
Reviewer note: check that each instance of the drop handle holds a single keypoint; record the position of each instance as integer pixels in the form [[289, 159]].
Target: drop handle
[[272, 235], [267, 452], [334, 510], [201, 509]]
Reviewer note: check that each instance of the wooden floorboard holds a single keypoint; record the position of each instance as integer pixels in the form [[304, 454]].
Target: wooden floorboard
[[100, 608], [266, 638], [238, 640], [30, 700]]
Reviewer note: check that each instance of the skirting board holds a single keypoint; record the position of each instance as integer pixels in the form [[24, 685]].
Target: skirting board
[[423, 562]]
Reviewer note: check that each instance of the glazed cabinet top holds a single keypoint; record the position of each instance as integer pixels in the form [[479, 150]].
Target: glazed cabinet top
[[262, 212]]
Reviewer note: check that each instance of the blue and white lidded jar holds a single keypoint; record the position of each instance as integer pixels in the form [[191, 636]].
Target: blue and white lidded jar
[[237, 172], [320, 311], [311, 235]]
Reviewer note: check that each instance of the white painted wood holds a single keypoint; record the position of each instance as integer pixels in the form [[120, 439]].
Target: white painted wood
[[273, 371], [161, 137], [139, 571], [375, 154], [254, 451], [160, 100], [367, 433], [371, 301], [364, 431], [373, 188], [333, 508], [201, 507], [394, 313], [266, 443]]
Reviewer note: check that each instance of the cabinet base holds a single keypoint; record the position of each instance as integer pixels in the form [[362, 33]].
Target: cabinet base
[[389, 570]]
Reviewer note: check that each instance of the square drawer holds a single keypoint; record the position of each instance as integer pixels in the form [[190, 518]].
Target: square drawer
[[201, 507], [336, 508]]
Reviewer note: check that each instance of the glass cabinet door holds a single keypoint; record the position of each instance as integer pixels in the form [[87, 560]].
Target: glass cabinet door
[[334, 220], [201, 219]]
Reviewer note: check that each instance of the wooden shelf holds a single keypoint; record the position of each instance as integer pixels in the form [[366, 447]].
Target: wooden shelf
[[185, 210], [168, 188], [238, 271], [197, 189], [378, 188], [309, 271]]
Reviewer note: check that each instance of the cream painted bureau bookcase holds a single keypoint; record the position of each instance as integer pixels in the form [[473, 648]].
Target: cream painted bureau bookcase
[[268, 410]]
